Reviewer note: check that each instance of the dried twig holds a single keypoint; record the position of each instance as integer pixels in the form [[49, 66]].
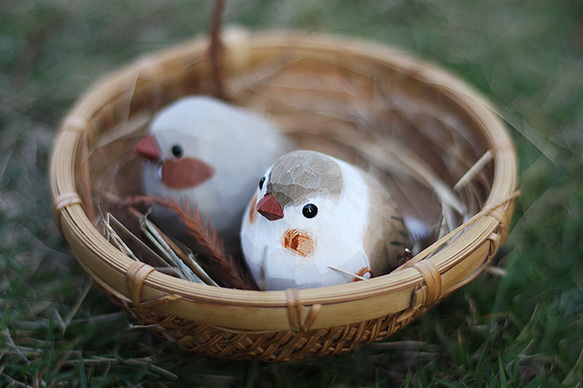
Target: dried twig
[[227, 270], [157, 238], [216, 51]]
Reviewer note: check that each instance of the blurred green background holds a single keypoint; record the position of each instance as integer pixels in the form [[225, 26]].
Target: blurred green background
[[517, 324]]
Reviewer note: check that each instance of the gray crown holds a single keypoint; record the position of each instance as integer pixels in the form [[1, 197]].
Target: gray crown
[[300, 175]]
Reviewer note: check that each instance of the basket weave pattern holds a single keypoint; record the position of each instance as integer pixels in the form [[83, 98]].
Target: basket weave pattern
[[287, 345], [359, 102]]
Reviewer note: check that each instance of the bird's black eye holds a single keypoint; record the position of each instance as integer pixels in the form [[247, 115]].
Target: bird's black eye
[[310, 210], [261, 182], [177, 151]]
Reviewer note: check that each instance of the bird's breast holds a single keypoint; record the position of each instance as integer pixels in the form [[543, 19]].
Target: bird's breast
[[299, 242]]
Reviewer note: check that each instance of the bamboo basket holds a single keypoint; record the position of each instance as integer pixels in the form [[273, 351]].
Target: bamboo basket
[[371, 105]]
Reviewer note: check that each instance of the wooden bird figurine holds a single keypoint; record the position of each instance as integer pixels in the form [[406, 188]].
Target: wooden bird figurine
[[317, 221], [206, 151]]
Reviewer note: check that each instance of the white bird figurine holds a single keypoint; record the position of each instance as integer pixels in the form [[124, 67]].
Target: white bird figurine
[[211, 153], [317, 221]]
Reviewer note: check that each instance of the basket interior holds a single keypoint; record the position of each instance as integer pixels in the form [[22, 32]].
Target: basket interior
[[377, 115]]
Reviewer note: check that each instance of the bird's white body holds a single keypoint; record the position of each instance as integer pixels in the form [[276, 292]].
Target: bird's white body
[[290, 250], [199, 135]]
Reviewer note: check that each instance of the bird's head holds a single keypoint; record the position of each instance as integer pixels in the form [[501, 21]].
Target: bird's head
[[177, 169], [296, 183]]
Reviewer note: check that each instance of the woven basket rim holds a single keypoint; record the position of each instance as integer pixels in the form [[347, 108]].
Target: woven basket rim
[[404, 284]]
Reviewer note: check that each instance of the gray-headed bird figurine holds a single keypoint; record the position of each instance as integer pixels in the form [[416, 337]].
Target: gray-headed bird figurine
[[317, 221]]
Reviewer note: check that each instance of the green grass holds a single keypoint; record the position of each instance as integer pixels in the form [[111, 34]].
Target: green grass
[[521, 329]]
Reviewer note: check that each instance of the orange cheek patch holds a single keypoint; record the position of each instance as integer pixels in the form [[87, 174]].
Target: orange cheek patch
[[299, 242], [362, 273], [186, 173], [252, 210]]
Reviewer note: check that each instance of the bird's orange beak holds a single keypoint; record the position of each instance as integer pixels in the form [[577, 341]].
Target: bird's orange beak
[[148, 148], [269, 208]]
